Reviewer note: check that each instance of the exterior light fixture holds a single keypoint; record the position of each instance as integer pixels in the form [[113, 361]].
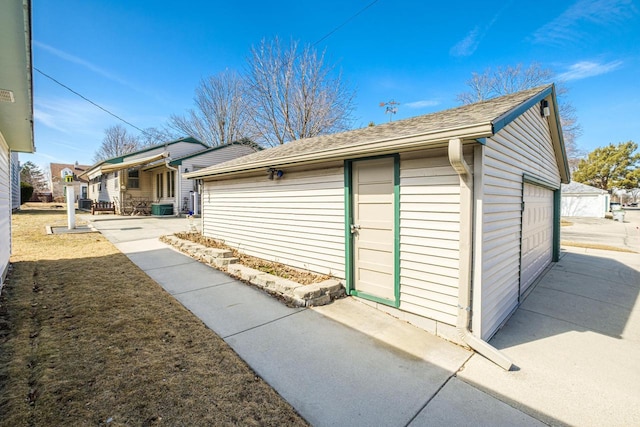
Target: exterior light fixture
[[275, 173], [544, 108]]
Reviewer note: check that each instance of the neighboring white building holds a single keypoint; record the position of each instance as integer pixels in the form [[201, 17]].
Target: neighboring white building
[[581, 200], [16, 110], [138, 181], [417, 215]]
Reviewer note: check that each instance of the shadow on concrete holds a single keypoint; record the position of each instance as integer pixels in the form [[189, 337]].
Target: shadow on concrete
[[585, 292]]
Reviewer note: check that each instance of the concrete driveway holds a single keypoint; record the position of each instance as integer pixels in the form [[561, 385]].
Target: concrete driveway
[[575, 341], [602, 231]]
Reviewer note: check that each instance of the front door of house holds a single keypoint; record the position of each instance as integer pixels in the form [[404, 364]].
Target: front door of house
[[373, 229]]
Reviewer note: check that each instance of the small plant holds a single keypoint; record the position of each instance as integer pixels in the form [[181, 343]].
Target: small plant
[[276, 268]]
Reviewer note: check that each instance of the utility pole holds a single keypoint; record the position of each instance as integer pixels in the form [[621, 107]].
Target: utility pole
[[392, 108]]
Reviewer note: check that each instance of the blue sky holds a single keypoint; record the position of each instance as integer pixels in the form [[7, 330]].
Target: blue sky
[[143, 59]]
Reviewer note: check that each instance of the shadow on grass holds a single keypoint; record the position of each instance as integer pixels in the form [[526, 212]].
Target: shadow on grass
[[43, 211], [94, 338]]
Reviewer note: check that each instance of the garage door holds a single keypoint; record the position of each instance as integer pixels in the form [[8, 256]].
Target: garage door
[[537, 233]]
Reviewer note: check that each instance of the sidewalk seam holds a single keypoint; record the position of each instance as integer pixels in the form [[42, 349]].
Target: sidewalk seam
[[203, 288], [263, 324], [454, 374], [500, 400]]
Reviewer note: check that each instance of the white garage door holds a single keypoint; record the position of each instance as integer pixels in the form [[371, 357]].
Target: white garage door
[[537, 233]]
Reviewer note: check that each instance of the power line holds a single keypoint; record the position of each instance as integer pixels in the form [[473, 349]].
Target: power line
[[89, 101], [351, 18], [346, 22]]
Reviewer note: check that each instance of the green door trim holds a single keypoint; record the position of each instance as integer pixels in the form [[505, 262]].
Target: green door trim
[[348, 237]]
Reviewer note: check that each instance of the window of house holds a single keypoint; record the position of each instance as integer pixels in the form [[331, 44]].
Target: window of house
[[133, 178], [159, 186], [171, 183]]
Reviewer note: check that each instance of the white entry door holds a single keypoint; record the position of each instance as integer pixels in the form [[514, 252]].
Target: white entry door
[[373, 228], [537, 233]]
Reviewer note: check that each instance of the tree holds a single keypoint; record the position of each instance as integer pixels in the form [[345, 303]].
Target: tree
[[221, 115], [292, 93], [613, 166], [506, 80], [31, 174], [154, 136], [116, 142]]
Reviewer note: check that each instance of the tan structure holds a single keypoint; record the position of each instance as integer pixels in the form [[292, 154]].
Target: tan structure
[[443, 220], [138, 181]]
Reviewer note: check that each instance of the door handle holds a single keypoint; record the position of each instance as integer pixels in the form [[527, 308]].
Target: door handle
[[354, 228]]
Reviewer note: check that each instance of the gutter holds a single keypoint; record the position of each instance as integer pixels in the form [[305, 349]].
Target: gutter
[[458, 163], [386, 145]]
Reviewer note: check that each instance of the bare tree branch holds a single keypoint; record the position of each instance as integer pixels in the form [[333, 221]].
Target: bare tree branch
[[116, 142], [506, 80], [221, 115], [292, 93]]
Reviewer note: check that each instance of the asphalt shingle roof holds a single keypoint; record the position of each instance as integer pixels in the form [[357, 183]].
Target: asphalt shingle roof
[[486, 112], [577, 187]]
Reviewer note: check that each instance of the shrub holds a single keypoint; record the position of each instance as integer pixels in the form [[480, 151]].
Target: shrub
[[26, 191]]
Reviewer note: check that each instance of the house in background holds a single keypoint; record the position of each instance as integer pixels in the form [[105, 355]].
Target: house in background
[[581, 200], [80, 184], [150, 180], [16, 110], [444, 220]]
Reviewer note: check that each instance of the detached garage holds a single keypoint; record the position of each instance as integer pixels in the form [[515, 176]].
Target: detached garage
[[581, 200], [444, 220]]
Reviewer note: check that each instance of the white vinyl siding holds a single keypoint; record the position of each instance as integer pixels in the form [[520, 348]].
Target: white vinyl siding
[[297, 220], [204, 160], [429, 236], [523, 146], [5, 209]]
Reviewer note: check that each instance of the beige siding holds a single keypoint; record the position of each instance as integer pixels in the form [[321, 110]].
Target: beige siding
[[297, 220], [208, 159], [429, 236], [5, 209], [523, 146]]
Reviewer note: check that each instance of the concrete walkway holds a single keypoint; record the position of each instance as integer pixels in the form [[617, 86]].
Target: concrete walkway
[[576, 341]]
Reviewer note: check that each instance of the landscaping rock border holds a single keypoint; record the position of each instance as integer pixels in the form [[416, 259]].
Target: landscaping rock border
[[297, 294]]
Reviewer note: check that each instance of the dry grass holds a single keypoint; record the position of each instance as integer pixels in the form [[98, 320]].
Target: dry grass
[[275, 268], [595, 246], [86, 337], [565, 223]]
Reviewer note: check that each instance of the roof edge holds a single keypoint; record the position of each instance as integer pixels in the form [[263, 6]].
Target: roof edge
[[178, 161], [469, 132]]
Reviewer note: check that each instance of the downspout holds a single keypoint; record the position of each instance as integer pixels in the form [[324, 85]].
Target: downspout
[[458, 163]]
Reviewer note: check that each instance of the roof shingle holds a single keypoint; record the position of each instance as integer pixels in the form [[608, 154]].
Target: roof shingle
[[486, 112]]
